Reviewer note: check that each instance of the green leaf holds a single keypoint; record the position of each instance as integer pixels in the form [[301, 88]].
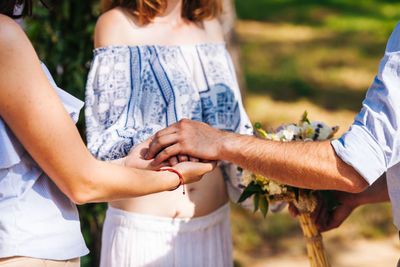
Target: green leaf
[[250, 190], [263, 204], [256, 198], [304, 118], [245, 195], [254, 187], [262, 132]]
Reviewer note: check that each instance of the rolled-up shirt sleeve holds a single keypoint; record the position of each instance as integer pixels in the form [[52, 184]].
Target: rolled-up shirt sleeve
[[372, 144]]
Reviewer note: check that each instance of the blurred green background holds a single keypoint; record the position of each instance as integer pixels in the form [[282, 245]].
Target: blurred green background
[[315, 55]]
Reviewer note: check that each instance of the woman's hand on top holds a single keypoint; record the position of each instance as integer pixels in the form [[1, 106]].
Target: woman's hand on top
[[194, 171]]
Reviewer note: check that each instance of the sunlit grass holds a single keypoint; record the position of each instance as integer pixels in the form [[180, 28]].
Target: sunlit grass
[[289, 62], [371, 16]]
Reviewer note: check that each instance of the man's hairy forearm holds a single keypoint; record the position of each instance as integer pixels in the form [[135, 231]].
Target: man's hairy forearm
[[312, 165]]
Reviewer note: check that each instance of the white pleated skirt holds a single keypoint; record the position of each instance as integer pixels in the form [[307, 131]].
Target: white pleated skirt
[[130, 239]]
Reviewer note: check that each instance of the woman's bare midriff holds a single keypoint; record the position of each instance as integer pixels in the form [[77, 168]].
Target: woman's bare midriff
[[201, 198]]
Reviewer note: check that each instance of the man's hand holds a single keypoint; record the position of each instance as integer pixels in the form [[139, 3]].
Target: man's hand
[[191, 169], [327, 220], [186, 137], [377, 192]]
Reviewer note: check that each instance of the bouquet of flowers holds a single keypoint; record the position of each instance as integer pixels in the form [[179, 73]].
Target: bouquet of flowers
[[266, 191]]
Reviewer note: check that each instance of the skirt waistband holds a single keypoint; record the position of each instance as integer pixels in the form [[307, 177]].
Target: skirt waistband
[[146, 222]]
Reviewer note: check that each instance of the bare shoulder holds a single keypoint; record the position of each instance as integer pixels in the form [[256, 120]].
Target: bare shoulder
[[105, 32], [10, 30], [6, 21], [214, 30], [111, 27], [12, 37]]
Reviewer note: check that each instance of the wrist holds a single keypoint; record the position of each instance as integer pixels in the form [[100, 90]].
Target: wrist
[[227, 147], [175, 173], [352, 200]]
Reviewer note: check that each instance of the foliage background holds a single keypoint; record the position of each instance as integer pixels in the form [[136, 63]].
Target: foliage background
[[319, 55]]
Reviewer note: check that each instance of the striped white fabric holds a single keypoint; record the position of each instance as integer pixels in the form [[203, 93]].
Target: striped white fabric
[[131, 239]]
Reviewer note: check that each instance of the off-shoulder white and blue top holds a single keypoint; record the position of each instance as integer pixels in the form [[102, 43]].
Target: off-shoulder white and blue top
[[134, 91], [36, 218]]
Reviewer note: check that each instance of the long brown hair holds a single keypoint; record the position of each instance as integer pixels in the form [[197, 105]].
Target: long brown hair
[[147, 10]]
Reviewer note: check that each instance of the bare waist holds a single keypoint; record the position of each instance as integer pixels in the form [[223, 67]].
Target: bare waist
[[201, 198], [155, 223]]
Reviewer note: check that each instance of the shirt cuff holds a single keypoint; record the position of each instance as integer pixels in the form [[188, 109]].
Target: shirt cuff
[[360, 150]]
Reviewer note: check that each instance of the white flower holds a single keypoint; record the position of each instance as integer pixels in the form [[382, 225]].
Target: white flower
[[275, 188], [276, 137], [307, 131], [247, 178], [287, 135], [288, 132], [316, 130], [293, 128], [322, 129]]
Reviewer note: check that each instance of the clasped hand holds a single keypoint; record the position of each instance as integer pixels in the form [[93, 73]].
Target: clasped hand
[[191, 168]]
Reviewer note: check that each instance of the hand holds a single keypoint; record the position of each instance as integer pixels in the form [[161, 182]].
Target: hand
[[336, 217], [186, 137], [136, 158], [194, 171], [181, 158], [327, 220]]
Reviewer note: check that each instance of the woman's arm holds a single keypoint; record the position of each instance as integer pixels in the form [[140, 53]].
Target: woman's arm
[[35, 114]]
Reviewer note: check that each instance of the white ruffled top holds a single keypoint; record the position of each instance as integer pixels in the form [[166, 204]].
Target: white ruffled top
[[36, 218]]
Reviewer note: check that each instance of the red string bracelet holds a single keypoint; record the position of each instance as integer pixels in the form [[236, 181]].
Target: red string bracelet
[[181, 181]]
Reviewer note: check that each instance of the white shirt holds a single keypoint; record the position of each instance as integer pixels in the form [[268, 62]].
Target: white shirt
[[36, 218], [372, 145]]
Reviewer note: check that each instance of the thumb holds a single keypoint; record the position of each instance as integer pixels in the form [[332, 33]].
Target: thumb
[[210, 165]]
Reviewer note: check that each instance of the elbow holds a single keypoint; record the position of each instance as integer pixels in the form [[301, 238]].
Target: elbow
[[83, 190], [358, 188], [351, 180], [79, 198], [355, 184]]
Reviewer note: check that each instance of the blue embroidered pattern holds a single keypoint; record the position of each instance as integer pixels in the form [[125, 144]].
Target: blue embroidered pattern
[[134, 91]]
